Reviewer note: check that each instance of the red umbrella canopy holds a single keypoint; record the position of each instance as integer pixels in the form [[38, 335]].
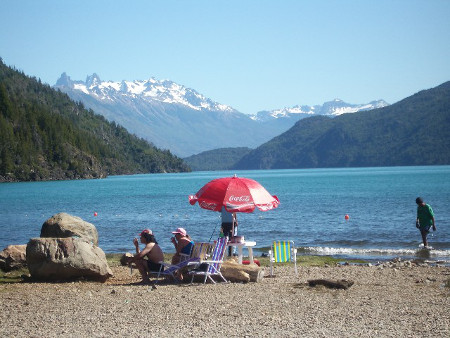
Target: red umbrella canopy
[[236, 194]]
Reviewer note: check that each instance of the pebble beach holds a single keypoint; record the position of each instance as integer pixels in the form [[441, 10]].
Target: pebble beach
[[384, 301]]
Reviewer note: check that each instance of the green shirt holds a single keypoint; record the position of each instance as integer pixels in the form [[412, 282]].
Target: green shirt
[[425, 215]]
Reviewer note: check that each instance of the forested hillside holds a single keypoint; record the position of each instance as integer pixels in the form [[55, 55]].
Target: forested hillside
[[45, 136], [217, 159], [414, 131]]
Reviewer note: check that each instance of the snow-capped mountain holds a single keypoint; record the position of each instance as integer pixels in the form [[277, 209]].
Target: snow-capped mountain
[[331, 108], [184, 121], [150, 90], [166, 114]]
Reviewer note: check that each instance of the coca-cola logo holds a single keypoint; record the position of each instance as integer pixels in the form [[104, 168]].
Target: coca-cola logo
[[244, 198], [208, 206]]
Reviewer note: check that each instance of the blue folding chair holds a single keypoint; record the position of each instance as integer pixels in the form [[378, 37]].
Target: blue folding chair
[[198, 252], [208, 268]]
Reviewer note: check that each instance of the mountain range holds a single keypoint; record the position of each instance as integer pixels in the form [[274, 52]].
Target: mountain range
[[46, 135], [332, 108], [184, 121], [413, 131]]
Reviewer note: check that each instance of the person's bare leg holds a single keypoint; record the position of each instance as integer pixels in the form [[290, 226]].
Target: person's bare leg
[[175, 259], [179, 275], [142, 267], [424, 238]]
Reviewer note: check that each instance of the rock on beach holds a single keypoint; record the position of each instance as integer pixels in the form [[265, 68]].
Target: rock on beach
[[13, 257], [64, 225], [65, 259]]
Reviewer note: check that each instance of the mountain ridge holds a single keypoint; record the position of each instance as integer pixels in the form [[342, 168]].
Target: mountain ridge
[[165, 91], [174, 117], [413, 131], [335, 107]]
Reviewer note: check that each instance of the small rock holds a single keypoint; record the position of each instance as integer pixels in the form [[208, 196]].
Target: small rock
[[13, 257]]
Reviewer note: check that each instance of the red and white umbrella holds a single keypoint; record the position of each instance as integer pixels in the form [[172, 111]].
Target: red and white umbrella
[[236, 194]]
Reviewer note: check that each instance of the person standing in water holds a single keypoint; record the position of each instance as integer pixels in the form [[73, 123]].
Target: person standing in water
[[425, 219]]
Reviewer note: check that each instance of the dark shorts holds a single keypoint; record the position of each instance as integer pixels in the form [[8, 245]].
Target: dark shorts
[[425, 229], [154, 267], [226, 228]]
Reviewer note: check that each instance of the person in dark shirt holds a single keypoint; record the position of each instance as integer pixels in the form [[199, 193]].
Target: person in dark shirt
[[229, 226]]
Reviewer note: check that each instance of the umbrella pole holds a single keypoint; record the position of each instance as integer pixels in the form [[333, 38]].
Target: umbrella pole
[[230, 249], [232, 226], [213, 233]]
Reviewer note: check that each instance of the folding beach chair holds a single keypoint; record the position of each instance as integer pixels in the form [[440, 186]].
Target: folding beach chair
[[282, 251], [199, 252], [184, 257], [208, 268], [171, 269]]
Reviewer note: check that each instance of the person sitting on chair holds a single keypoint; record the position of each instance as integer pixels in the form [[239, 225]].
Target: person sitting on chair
[[183, 244], [153, 253]]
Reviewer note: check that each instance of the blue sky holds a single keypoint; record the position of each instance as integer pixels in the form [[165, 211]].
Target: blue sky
[[251, 55]]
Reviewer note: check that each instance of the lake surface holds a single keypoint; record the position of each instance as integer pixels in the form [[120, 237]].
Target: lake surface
[[380, 203]]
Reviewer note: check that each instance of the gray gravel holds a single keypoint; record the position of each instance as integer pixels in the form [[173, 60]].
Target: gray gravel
[[408, 301]]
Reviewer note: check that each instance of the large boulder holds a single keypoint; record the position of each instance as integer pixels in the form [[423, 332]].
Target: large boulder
[[66, 259], [13, 257], [63, 225]]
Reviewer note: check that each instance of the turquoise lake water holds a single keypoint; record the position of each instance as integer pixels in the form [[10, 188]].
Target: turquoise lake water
[[379, 201]]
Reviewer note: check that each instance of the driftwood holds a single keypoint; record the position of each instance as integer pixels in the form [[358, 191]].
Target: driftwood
[[234, 272], [338, 284]]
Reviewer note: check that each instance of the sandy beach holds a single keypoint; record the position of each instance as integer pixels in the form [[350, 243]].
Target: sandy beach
[[408, 301]]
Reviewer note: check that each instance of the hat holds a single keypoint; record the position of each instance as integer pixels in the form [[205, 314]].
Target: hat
[[180, 231], [146, 231]]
